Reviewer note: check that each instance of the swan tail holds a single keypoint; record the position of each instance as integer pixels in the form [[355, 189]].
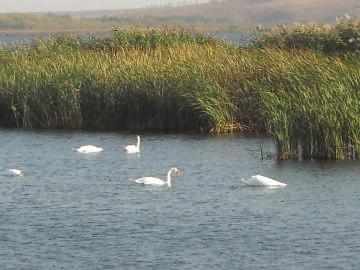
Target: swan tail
[[242, 179]]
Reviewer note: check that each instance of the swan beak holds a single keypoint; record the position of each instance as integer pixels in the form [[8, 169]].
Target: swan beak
[[178, 173]]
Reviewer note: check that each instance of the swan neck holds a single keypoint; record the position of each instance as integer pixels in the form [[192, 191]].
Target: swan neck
[[138, 143], [168, 177]]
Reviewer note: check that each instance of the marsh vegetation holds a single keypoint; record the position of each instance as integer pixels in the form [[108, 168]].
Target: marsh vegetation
[[163, 80]]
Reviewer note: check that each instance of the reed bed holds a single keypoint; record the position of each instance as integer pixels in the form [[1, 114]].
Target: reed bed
[[344, 36], [134, 80], [176, 81]]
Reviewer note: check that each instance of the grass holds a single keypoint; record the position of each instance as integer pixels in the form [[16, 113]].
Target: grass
[[165, 80], [133, 80], [344, 36]]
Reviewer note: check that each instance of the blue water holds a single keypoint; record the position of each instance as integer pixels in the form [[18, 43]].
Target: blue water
[[26, 39], [74, 211], [20, 39]]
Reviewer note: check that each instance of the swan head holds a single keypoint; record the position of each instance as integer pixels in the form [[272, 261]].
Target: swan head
[[177, 171], [168, 178], [138, 137]]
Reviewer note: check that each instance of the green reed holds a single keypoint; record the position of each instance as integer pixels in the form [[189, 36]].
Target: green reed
[[311, 104], [133, 80], [164, 80], [344, 36]]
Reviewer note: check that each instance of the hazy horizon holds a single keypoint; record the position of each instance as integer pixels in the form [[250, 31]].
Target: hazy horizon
[[80, 5]]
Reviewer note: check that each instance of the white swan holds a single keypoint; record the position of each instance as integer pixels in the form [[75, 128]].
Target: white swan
[[259, 180], [156, 181], [88, 149], [132, 149], [11, 173]]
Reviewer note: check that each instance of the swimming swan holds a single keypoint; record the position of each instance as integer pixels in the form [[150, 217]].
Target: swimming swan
[[259, 180], [11, 173], [132, 149], [156, 181], [88, 149]]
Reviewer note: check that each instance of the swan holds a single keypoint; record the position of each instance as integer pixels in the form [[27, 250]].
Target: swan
[[156, 181], [259, 180], [11, 173], [132, 149], [88, 149]]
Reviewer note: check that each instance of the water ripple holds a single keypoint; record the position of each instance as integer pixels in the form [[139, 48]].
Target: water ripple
[[73, 211]]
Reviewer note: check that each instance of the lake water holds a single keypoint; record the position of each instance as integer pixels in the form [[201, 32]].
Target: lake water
[[19, 39], [26, 39], [74, 211]]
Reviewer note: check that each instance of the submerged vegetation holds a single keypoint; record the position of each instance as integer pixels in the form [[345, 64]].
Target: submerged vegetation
[[164, 80]]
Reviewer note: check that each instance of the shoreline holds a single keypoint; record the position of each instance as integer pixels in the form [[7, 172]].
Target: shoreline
[[52, 31]]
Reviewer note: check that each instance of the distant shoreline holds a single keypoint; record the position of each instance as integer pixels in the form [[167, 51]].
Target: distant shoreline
[[209, 29], [51, 31]]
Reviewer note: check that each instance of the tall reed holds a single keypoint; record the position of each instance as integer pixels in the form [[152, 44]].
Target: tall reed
[[344, 36], [164, 80]]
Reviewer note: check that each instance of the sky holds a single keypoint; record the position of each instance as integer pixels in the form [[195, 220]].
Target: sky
[[76, 5]]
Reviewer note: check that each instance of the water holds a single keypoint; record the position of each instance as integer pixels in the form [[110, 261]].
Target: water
[[242, 38], [25, 40], [73, 211], [8, 40], [21, 38]]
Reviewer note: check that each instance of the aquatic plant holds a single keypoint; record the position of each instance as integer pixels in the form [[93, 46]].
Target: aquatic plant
[[161, 80], [133, 80], [344, 36], [310, 103]]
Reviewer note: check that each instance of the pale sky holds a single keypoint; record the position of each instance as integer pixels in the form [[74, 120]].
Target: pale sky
[[76, 5]]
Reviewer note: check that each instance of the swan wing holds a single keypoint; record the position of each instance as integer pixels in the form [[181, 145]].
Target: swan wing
[[150, 181], [131, 149], [86, 149], [11, 173], [259, 180]]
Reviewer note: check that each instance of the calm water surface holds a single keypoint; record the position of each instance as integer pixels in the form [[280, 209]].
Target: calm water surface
[[73, 211], [8, 40]]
